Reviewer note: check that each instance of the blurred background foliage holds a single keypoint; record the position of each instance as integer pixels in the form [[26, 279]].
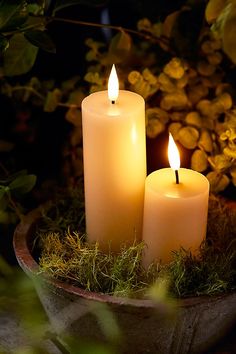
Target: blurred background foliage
[[180, 57]]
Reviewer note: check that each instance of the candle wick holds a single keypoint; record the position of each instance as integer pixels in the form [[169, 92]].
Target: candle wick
[[177, 176], [113, 101]]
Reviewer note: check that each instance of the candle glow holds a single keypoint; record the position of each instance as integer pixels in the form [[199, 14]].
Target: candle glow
[[173, 154], [113, 85]]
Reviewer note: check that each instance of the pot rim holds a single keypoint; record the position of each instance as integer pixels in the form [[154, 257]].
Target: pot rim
[[24, 232]]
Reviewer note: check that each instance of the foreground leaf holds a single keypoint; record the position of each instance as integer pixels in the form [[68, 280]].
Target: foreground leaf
[[119, 47], [41, 40], [10, 11], [20, 56], [23, 184]]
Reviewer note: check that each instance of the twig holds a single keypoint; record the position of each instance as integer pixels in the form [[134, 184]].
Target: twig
[[15, 207], [4, 169], [29, 88], [49, 19]]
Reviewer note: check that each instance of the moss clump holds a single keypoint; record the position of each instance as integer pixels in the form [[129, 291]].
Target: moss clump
[[66, 256]]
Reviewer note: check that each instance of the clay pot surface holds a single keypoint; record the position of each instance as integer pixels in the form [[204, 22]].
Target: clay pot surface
[[144, 325]]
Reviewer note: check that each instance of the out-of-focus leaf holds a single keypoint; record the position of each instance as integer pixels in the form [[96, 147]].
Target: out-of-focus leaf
[[169, 23], [174, 129], [199, 161], [205, 141], [5, 217], [213, 9], [233, 174], [12, 13], [73, 115], [119, 47], [13, 176], [4, 43], [23, 184], [230, 152], [229, 35], [20, 56], [52, 100], [41, 40], [154, 128], [61, 4], [218, 181], [220, 162], [188, 137]]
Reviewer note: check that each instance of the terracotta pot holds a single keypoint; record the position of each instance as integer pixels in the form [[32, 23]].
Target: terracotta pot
[[199, 322]]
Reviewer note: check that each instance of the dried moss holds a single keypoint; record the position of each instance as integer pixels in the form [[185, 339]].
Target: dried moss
[[66, 256]]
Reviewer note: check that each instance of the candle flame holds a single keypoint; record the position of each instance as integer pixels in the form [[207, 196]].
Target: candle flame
[[113, 85], [173, 154]]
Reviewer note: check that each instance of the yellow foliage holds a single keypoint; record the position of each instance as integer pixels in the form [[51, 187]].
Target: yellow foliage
[[174, 129], [213, 9], [174, 69], [205, 142], [199, 161], [188, 137], [218, 181], [205, 69], [166, 84], [176, 100], [194, 118]]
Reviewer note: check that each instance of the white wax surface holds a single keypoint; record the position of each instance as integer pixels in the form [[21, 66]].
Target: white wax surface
[[175, 215], [114, 167]]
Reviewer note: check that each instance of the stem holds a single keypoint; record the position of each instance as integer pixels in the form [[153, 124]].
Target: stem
[[56, 342], [162, 40], [15, 207], [4, 169], [48, 19], [29, 88]]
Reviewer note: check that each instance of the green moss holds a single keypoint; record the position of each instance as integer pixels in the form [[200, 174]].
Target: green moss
[[66, 256]]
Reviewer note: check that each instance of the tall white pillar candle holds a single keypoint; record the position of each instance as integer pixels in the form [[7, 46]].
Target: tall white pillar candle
[[114, 167], [175, 215]]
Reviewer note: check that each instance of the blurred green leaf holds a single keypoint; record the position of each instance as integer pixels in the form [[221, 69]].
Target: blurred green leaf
[[12, 13], [52, 100], [20, 56], [13, 176], [119, 47], [4, 43], [61, 4], [23, 184], [41, 40]]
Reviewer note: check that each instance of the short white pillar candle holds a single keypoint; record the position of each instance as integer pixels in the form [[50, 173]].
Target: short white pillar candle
[[175, 214]]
